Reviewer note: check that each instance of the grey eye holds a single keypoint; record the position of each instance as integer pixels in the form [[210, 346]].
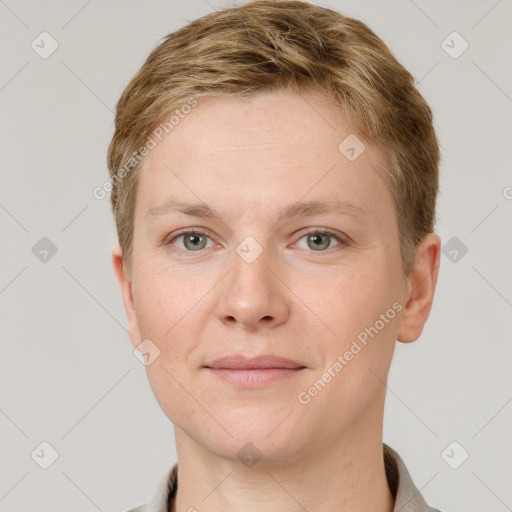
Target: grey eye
[[194, 241], [319, 241]]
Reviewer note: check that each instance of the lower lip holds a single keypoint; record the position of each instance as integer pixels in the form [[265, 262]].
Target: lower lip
[[254, 378]]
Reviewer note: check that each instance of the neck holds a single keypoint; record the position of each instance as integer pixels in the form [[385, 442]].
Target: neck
[[336, 476]]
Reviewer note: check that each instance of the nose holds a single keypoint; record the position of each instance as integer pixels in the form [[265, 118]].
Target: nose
[[252, 295]]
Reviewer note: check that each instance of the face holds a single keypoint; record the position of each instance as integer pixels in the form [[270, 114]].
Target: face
[[250, 280]]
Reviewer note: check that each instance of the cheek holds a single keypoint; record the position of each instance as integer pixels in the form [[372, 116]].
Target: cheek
[[165, 316], [163, 301], [352, 300], [362, 313]]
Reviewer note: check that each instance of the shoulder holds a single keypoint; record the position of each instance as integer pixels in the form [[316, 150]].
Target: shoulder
[[407, 496], [164, 491]]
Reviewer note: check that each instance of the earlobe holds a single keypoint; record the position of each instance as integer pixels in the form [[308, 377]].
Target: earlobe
[[125, 285], [422, 285]]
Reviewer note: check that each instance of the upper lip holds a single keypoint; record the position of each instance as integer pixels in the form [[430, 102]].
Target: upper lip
[[239, 362]]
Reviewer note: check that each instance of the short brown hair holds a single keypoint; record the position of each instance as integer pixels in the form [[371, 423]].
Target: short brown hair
[[268, 45]]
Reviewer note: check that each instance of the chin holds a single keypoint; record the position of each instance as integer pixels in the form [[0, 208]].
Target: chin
[[258, 439]]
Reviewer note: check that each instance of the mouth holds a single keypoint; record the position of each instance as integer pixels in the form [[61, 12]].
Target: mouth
[[254, 372]]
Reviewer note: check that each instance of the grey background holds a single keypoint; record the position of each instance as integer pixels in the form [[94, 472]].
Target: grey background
[[68, 374]]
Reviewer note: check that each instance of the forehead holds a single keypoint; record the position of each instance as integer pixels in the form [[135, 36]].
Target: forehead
[[267, 149], [263, 122]]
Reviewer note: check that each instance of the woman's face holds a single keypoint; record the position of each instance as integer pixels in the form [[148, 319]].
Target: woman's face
[[255, 281]]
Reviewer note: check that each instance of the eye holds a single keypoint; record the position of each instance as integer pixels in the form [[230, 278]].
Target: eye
[[319, 240], [193, 240]]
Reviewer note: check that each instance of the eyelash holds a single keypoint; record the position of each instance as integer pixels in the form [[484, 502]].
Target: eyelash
[[343, 240]]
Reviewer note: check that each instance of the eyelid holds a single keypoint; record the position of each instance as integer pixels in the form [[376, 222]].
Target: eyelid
[[167, 239], [341, 237]]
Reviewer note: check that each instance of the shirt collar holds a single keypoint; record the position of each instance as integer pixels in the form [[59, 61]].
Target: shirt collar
[[407, 497]]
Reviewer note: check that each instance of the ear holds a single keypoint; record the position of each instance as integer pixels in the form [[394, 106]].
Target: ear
[[422, 285], [126, 291]]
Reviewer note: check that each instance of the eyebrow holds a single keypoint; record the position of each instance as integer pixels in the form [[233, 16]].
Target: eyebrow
[[299, 209]]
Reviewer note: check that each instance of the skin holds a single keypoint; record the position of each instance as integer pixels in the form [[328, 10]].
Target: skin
[[247, 158]]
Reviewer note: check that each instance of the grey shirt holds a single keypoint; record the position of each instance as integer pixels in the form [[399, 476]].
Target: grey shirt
[[407, 497]]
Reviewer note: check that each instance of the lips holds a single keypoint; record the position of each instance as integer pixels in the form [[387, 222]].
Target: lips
[[264, 362], [254, 372]]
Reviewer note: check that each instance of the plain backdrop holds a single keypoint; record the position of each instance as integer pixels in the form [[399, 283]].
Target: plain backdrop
[[68, 374]]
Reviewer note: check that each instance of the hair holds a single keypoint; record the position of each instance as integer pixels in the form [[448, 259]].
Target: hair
[[289, 45]]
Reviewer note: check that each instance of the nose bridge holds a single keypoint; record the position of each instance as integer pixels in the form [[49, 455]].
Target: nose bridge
[[250, 262], [251, 294]]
